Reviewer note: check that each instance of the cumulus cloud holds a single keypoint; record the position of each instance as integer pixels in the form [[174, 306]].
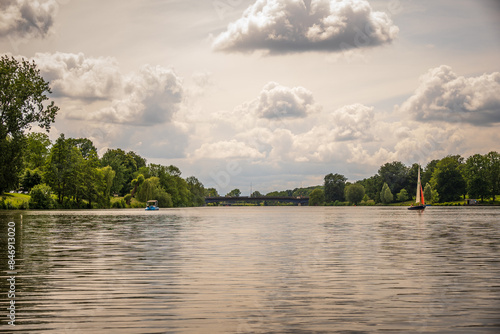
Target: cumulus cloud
[[288, 26], [27, 18], [353, 122], [76, 76], [443, 95], [151, 96], [148, 96], [277, 102], [226, 149]]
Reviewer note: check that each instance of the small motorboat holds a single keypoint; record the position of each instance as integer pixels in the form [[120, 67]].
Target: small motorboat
[[152, 205]]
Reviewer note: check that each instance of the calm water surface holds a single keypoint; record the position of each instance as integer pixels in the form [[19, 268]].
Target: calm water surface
[[255, 270]]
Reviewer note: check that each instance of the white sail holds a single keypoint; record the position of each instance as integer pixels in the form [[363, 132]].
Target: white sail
[[417, 198]]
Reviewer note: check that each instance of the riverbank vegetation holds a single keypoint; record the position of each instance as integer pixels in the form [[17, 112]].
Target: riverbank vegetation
[[451, 180]]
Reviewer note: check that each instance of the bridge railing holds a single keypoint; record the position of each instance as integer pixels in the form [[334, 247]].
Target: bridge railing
[[291, 199]]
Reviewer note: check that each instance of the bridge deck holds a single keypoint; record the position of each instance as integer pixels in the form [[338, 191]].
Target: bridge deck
[[256, 199]]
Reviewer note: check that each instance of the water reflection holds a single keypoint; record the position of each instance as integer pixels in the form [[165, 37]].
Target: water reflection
[[261, 270]]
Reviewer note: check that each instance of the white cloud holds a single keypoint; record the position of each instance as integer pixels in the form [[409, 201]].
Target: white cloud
[[287, 26], [278, 102], [149, 96], [27, 18], [226, 149], [443, 95], [353, 122], [76, 76]]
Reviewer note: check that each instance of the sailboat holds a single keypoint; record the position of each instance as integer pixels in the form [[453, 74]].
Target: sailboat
[[419, 199]]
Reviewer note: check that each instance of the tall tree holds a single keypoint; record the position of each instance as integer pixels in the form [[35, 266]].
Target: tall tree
[[354, 193], [372, 187], [386, 195], [37, 149], [317, 197], [62, 169], [334, 187], [197, 191], [493, 173], [23, 101], [447, 179], [395, 174], [476, 168]]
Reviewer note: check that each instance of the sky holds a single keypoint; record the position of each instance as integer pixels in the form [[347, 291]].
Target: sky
[[268, 94]]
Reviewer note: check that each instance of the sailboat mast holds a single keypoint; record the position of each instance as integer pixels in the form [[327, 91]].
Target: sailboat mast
[[417, 198]]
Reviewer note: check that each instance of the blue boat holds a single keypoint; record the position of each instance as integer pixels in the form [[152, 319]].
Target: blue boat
[[152, 205]]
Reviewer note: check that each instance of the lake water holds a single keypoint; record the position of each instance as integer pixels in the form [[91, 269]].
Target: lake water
[[255, 270]]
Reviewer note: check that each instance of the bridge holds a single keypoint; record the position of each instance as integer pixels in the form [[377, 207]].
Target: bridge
[[231, 200]]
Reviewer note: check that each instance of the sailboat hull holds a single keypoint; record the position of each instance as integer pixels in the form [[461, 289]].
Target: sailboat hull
[[418, 207]]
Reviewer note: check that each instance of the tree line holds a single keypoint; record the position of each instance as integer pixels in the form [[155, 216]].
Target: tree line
[[69, 173], [444, 180]]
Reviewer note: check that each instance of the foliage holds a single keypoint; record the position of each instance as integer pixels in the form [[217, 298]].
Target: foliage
[[37, 149], [256, 194], [62, 169], [197, 191], [386, 195], [447, 179], [428, 193], [30, 178], [41, 197], [334, 187], [211, 192], [476, 168], [23, 101], [493, 174], [317, 197], [372, 187], [354, 193], [151, 189], [234, 193], [395, 175], [125, 165], [402, 196]]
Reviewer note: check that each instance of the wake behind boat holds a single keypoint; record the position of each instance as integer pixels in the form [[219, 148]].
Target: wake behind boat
[[419, 199]]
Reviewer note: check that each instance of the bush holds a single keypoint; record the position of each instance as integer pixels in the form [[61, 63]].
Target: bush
[[41, 197], [402, 196]]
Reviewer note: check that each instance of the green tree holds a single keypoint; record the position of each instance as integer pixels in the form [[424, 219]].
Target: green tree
[[447, 179], [395, 175], [37, 149], [23, 101], [62, 169], [386, 194], [107, 174], [125, 165], [426, 174], [234, 193], [428, 193], [41, 197], [197, 191], [354, 193], [211, 192], [372, 187], [30, 179], [476, 168], [334, 187], [402, 196], [317, 197], [151, 189], [256, 193], [493, 173]]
